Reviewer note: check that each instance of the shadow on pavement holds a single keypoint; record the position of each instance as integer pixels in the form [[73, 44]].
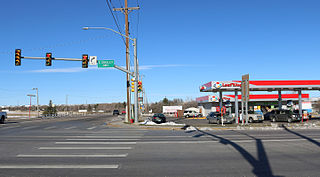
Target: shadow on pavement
[[261, 166], [302, 136]]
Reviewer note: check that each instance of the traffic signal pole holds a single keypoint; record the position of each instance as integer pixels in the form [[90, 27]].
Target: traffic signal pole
[[136, 79]]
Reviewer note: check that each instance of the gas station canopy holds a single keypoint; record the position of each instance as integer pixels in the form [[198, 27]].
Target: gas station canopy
[[275, 85]]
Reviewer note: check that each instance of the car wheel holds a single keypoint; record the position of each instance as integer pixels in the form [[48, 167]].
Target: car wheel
[[289, 120], [250, 120], [273, 119]]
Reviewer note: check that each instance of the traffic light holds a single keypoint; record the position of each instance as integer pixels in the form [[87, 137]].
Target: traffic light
[[48, 59], [132, 86], [85, 61], [18, 57], [139, 86]]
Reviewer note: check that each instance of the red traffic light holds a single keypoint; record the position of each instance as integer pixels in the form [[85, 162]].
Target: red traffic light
[[48, 59], [85, 61]]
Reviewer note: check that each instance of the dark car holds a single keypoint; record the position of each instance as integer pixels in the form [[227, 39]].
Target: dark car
[[284, 116], [215, 117], [115, 112], [158, 118], [267, 116]]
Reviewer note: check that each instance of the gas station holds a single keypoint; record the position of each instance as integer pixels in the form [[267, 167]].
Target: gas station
[[257, 99]]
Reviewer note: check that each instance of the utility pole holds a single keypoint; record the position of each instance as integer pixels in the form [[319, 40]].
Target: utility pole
[[126, 12], [37, 100], [67, 102]]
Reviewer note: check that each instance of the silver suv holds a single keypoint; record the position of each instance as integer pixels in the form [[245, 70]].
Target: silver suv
[[188, 114]]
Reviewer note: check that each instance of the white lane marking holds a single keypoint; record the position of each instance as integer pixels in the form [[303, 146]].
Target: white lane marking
[[56, 166], [90, 128], [95, 142], [85, 148], [70, 127], [85, 136], [26, 128], [47, 128], [72, 155], [11, 127], [91, 139]]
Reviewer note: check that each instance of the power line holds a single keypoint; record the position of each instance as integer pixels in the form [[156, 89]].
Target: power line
[[115, 20]]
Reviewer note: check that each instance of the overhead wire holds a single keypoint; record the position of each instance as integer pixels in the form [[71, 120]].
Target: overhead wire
[[115, 20]]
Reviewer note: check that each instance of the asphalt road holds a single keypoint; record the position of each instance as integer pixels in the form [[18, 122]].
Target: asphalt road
[[91, 147]]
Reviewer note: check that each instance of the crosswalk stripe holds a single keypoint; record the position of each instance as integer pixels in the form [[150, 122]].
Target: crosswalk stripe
[[56, 166], [85, 148], [95, 142], [72, 155]]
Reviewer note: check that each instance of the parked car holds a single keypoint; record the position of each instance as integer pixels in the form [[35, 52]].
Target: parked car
[[254, 117], [191, 113], [285, 115], [158, 118], [3, 116], [268, 115], [115, 112], [215, 117]]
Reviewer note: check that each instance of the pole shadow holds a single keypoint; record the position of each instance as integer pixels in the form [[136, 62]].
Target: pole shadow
[[261, 166], [302, 136]]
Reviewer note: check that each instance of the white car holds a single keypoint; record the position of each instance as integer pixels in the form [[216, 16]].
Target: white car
[[191, 113]]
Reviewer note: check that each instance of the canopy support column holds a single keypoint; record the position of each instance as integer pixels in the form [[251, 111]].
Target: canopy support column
[[236, 106], [279, 99], [300, 103]]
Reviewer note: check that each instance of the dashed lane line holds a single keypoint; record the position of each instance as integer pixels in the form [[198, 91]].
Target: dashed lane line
[[90, 128], [52, 127], [68, 128], [27, 128]]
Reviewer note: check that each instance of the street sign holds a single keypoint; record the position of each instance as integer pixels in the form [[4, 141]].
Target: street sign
[[105, 63], [93, 60]]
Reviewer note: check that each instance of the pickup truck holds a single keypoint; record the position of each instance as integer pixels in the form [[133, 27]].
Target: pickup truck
[[3, 116]]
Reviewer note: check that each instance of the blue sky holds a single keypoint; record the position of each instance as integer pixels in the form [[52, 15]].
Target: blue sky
[[181, 45]]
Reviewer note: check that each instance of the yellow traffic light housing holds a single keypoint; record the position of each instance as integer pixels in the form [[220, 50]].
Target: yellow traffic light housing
[[48, 59], [18, 57], [85, 61], [139, 86]]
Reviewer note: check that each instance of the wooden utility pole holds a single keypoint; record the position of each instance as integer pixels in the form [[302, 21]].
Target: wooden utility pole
[[126, 12]]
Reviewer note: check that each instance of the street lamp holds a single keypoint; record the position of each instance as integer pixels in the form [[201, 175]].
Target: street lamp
[[30, 95], [37, 100], [135, 74]]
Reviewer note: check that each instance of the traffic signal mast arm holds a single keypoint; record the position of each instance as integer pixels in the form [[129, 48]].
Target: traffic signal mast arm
[[124, 70], [43, 58]]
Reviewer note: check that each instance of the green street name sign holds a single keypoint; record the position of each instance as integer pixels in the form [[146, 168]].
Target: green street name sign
[[105, 63]]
